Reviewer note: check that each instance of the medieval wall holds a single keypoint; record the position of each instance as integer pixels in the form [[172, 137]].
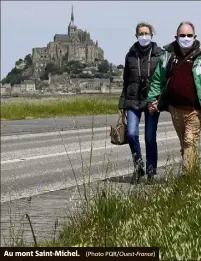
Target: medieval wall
[[52, 50], [40, 58], [40, 55]]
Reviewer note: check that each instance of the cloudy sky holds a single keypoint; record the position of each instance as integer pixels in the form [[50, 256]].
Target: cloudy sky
[[28, 24]]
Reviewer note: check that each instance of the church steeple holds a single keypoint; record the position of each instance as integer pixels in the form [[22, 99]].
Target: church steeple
[[72, 15], [72, 27]]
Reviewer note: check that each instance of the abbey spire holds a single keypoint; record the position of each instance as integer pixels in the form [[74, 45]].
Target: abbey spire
[[72, 27], [72, 15]]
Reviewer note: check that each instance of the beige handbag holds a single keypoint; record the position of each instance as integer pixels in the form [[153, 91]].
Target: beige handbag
[[119, 133]]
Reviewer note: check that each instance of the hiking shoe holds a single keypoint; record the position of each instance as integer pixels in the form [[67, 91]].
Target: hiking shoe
[[150, 179], [138, 169], [137, 174]]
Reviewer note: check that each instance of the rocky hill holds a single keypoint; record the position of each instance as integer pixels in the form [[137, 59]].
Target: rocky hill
[[74, 53], [24, 69]]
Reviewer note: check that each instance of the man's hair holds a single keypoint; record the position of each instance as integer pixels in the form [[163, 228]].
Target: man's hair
[[186, 22], [144, 24]]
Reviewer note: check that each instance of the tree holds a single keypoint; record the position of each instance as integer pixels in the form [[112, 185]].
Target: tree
[[50, 67], [99, 75], [19, 62], [44, 77], [15, 76], [14, 71], [111, 79], [3, 81], [116, 73], [15, 79], [28, 59], [65, 58], [104, 66], [85, 75], [73, 67], [120, 66]]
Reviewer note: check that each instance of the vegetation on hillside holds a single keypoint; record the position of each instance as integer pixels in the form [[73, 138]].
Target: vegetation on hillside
[[17, 75], [75, 69], [120, 66]]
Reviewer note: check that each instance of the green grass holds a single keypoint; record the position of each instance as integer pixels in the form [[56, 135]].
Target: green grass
[[59, 107], [169, 218]]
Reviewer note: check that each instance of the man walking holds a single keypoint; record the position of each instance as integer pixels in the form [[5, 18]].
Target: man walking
[[176, 87]]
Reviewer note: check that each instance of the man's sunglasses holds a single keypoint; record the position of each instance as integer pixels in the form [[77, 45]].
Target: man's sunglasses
[[184, 35]]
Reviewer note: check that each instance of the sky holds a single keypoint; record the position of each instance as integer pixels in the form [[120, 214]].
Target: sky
[[29, 24]]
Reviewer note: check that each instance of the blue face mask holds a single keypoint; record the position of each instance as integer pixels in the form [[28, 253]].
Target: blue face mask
[[144, 40], [185, 42]]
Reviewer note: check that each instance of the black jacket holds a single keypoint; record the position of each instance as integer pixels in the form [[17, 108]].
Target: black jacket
[[135, 88]]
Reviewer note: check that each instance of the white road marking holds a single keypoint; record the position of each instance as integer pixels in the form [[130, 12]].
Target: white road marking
[[40, 189], [74, 152], [27, 136]]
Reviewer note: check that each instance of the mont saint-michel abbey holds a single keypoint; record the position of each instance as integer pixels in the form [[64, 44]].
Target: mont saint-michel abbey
[[75, 45]]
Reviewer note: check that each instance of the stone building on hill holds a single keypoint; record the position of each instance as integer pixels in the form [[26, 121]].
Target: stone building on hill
[[76, 45]]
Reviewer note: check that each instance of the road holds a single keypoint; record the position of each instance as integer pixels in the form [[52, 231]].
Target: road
[[44, 160]]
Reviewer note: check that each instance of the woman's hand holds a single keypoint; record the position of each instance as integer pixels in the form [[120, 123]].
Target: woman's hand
[[153, 107]]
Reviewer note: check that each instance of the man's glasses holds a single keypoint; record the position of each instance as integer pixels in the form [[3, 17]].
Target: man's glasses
[[184, 35]]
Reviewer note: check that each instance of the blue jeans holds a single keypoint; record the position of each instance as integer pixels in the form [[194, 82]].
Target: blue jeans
[[151, 123]]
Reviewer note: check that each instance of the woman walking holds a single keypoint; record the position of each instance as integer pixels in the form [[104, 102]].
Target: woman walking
[[140, 63]]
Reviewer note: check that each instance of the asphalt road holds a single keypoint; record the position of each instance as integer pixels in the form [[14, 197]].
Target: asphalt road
[[55, 124], [43, 160]]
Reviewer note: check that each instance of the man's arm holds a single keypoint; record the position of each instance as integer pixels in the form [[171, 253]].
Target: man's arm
[[157, 82], [197, 77]]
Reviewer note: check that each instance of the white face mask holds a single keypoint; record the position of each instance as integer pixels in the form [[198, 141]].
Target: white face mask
[[144, 40], [185, 42]]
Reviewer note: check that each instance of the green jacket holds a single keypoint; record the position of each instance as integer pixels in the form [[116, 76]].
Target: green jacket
[[158, 87]]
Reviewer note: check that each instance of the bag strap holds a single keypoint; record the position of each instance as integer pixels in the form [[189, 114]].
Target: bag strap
[[121, 119], [149, 64]]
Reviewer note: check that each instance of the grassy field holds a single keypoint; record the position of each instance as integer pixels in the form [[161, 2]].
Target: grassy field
[[18, 109], [169, 218]]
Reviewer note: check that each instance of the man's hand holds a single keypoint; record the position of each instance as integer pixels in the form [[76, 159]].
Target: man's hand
[[152, 107]]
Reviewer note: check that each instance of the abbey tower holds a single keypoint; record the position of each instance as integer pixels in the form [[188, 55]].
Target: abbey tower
[[76, 45]]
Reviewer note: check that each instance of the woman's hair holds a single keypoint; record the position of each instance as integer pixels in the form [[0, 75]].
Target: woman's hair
[[144, 24], [186, 22]]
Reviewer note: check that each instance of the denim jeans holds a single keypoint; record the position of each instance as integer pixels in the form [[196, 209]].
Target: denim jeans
[[151, 123]]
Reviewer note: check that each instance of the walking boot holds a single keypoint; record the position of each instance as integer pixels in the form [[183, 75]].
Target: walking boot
[[150, 176], [138, 171], [150, 179]]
